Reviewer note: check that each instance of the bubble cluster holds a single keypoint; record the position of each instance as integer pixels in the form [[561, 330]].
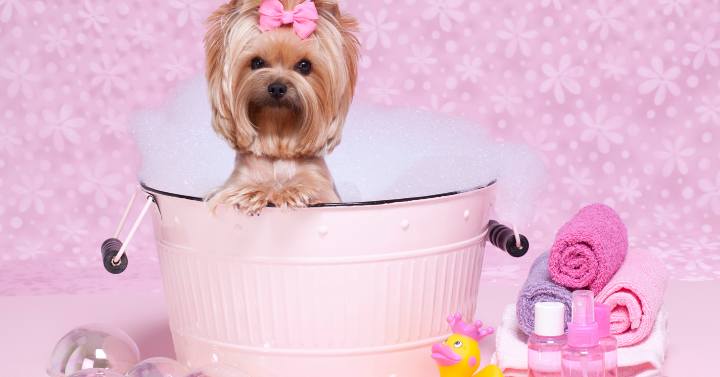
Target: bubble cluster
[[385, 154]]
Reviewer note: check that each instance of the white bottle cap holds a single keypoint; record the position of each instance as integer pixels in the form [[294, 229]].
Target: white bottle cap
[[549, 318]]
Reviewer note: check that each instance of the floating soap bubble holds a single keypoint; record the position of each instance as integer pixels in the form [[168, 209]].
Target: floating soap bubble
[[93, 347], [95, 372], [158, 367]]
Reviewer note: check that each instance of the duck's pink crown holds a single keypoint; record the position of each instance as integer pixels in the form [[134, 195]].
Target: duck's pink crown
[[472, 330]]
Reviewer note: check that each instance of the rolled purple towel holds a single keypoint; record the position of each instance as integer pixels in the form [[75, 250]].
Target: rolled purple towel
[[539, 288]]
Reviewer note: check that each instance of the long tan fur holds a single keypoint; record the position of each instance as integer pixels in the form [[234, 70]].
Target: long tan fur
[[280, 144]]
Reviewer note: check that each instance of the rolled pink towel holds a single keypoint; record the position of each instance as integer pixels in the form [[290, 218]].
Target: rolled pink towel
[[589, 249], [635, 296]]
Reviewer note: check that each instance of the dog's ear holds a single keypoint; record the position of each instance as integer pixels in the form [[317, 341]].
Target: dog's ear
[[347, 26], [223, 120], [238, 3], [330, 7]]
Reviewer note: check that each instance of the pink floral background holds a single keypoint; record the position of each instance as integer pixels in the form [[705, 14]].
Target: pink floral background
[[621, 98]]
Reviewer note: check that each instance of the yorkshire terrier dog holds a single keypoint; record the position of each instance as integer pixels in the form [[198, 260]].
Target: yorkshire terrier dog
[[281, 76]]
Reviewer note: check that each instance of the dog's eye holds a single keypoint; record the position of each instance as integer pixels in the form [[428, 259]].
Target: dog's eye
[[304, 67], [257, 63]]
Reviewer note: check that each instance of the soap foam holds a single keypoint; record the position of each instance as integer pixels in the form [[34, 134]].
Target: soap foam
[[385, 154], [180, 151]]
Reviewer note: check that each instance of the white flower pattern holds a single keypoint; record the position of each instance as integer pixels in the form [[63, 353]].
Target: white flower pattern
[[659, 81], [628, 189], [446, 11], [562, 78], [506, 100], [188, 10], [421, 60], [470, 68], [10, 7], [704, 46], [517, 36], [603, 19], [555, 3], [109, 75], [674, 6], [93, 16], [603, 129], [674, 155], [710, 193], [32, 192], [709, 110], [21, 77], [618, 98], [613, 67], [62, 126], [378, 29], [578, 180]]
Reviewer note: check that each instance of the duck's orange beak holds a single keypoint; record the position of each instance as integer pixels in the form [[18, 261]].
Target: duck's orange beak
[[444, 356]]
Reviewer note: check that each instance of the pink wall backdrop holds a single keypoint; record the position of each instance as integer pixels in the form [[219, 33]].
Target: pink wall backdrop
[[622, 98]]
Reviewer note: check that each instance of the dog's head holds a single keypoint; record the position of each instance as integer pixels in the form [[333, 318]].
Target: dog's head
[[277, 92]]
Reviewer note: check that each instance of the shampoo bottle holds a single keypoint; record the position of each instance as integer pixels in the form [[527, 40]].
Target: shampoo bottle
[[583, 356], [546, 342], [607, 341]]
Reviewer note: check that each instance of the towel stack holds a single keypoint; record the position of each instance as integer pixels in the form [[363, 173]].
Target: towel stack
[[591, 252]]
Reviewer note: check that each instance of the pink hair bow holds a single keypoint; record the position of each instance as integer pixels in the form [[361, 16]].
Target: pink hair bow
[[273, 15]]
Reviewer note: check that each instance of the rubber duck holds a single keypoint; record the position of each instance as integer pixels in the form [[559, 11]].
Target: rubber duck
[[459, 354]]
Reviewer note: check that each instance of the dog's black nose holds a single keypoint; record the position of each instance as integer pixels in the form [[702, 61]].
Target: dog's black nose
[[277, 90]]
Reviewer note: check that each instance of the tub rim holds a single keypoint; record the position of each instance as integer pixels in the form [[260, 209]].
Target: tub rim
[[368, 203]]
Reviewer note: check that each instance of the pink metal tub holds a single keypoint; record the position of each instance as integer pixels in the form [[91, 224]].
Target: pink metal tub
[[352, 290]]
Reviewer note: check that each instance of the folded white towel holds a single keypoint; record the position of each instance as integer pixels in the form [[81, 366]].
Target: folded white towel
[[644, 359]]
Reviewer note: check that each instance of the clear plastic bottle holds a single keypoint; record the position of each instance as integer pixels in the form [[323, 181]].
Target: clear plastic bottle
[[583, 356], [546, 342], [607, 341]]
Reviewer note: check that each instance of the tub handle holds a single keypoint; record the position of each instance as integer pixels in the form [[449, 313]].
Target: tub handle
[[507, 239], [114, 257]]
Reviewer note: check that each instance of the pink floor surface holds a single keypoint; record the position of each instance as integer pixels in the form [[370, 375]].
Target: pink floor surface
[[30, 325]]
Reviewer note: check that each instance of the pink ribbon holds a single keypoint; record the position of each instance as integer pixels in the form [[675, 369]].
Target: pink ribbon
[[273, 15]]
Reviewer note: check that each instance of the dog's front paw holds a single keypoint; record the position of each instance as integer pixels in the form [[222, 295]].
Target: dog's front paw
[[292, 197], [250, 199]]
